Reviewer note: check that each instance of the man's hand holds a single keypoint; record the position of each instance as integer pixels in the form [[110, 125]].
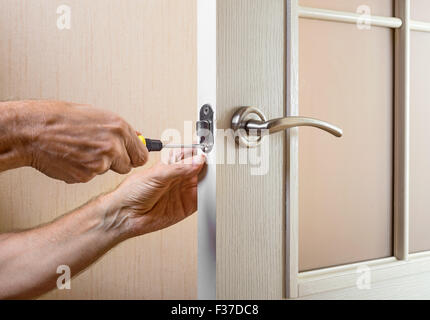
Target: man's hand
[[143, 203], [159, 197], [74, 143]]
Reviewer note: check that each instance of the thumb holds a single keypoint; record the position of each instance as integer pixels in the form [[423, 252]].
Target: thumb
[[136, 150]]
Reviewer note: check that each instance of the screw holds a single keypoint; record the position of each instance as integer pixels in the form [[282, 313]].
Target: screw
[[206, 110]]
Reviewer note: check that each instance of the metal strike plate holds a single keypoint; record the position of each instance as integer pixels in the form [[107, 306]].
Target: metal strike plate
[[205, 128]]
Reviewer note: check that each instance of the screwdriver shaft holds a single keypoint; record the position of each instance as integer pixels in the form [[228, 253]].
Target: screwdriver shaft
[[182, 146]]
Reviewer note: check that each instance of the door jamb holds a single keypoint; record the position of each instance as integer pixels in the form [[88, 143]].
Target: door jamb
[[206, 92]]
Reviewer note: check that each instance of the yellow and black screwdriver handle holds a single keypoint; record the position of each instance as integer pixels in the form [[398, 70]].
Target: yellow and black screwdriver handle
[[151, 144]]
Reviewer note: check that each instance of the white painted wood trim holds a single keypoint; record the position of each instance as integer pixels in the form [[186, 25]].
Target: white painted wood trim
[[351, 17], [419, 26], [401, 131], [348, 17], [292, 148], [336, 278], [415, 287], [207, 68]]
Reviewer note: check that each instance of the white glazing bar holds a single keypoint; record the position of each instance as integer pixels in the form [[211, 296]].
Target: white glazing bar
[[401, 131], [335, 278], [206, 66], [292, 149], [348, 17], [419, 26]]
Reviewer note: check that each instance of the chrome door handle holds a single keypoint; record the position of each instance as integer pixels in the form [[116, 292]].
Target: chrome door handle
[[248, 120]]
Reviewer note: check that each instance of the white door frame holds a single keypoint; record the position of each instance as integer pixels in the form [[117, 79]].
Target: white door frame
[[206, 94]]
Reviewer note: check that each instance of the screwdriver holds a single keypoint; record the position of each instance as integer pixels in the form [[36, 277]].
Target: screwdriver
[[158, 145]]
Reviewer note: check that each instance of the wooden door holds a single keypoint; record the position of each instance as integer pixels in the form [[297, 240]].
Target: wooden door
[[250, 208], [330, 219], [136, 58]]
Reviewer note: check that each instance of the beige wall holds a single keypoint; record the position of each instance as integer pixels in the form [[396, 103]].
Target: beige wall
[[134, 57]]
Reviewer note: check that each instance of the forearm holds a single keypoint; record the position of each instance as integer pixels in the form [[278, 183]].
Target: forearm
[[29, 259], [14, 135]]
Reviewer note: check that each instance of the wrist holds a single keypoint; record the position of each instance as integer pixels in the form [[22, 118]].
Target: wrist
[[16, 134], [112, 217]]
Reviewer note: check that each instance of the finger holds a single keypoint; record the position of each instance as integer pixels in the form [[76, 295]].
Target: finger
[[98, 166], [105, 165], [121, 162], [186, 196], [190, 188], [188, 153], [79, 174], [195, 150], [172, 157], [176, 155], [181, 169], [137, 151], [182, 154]]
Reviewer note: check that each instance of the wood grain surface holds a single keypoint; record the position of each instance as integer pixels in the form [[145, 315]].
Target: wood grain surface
[[136, 58], [250, 208]]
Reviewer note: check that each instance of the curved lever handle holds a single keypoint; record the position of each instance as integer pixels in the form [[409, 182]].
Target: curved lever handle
[[280, 124], [242, 120]]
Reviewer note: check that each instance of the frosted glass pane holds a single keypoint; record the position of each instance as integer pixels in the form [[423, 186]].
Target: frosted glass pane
[[346, 184], [419, 214], [420, 10]]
